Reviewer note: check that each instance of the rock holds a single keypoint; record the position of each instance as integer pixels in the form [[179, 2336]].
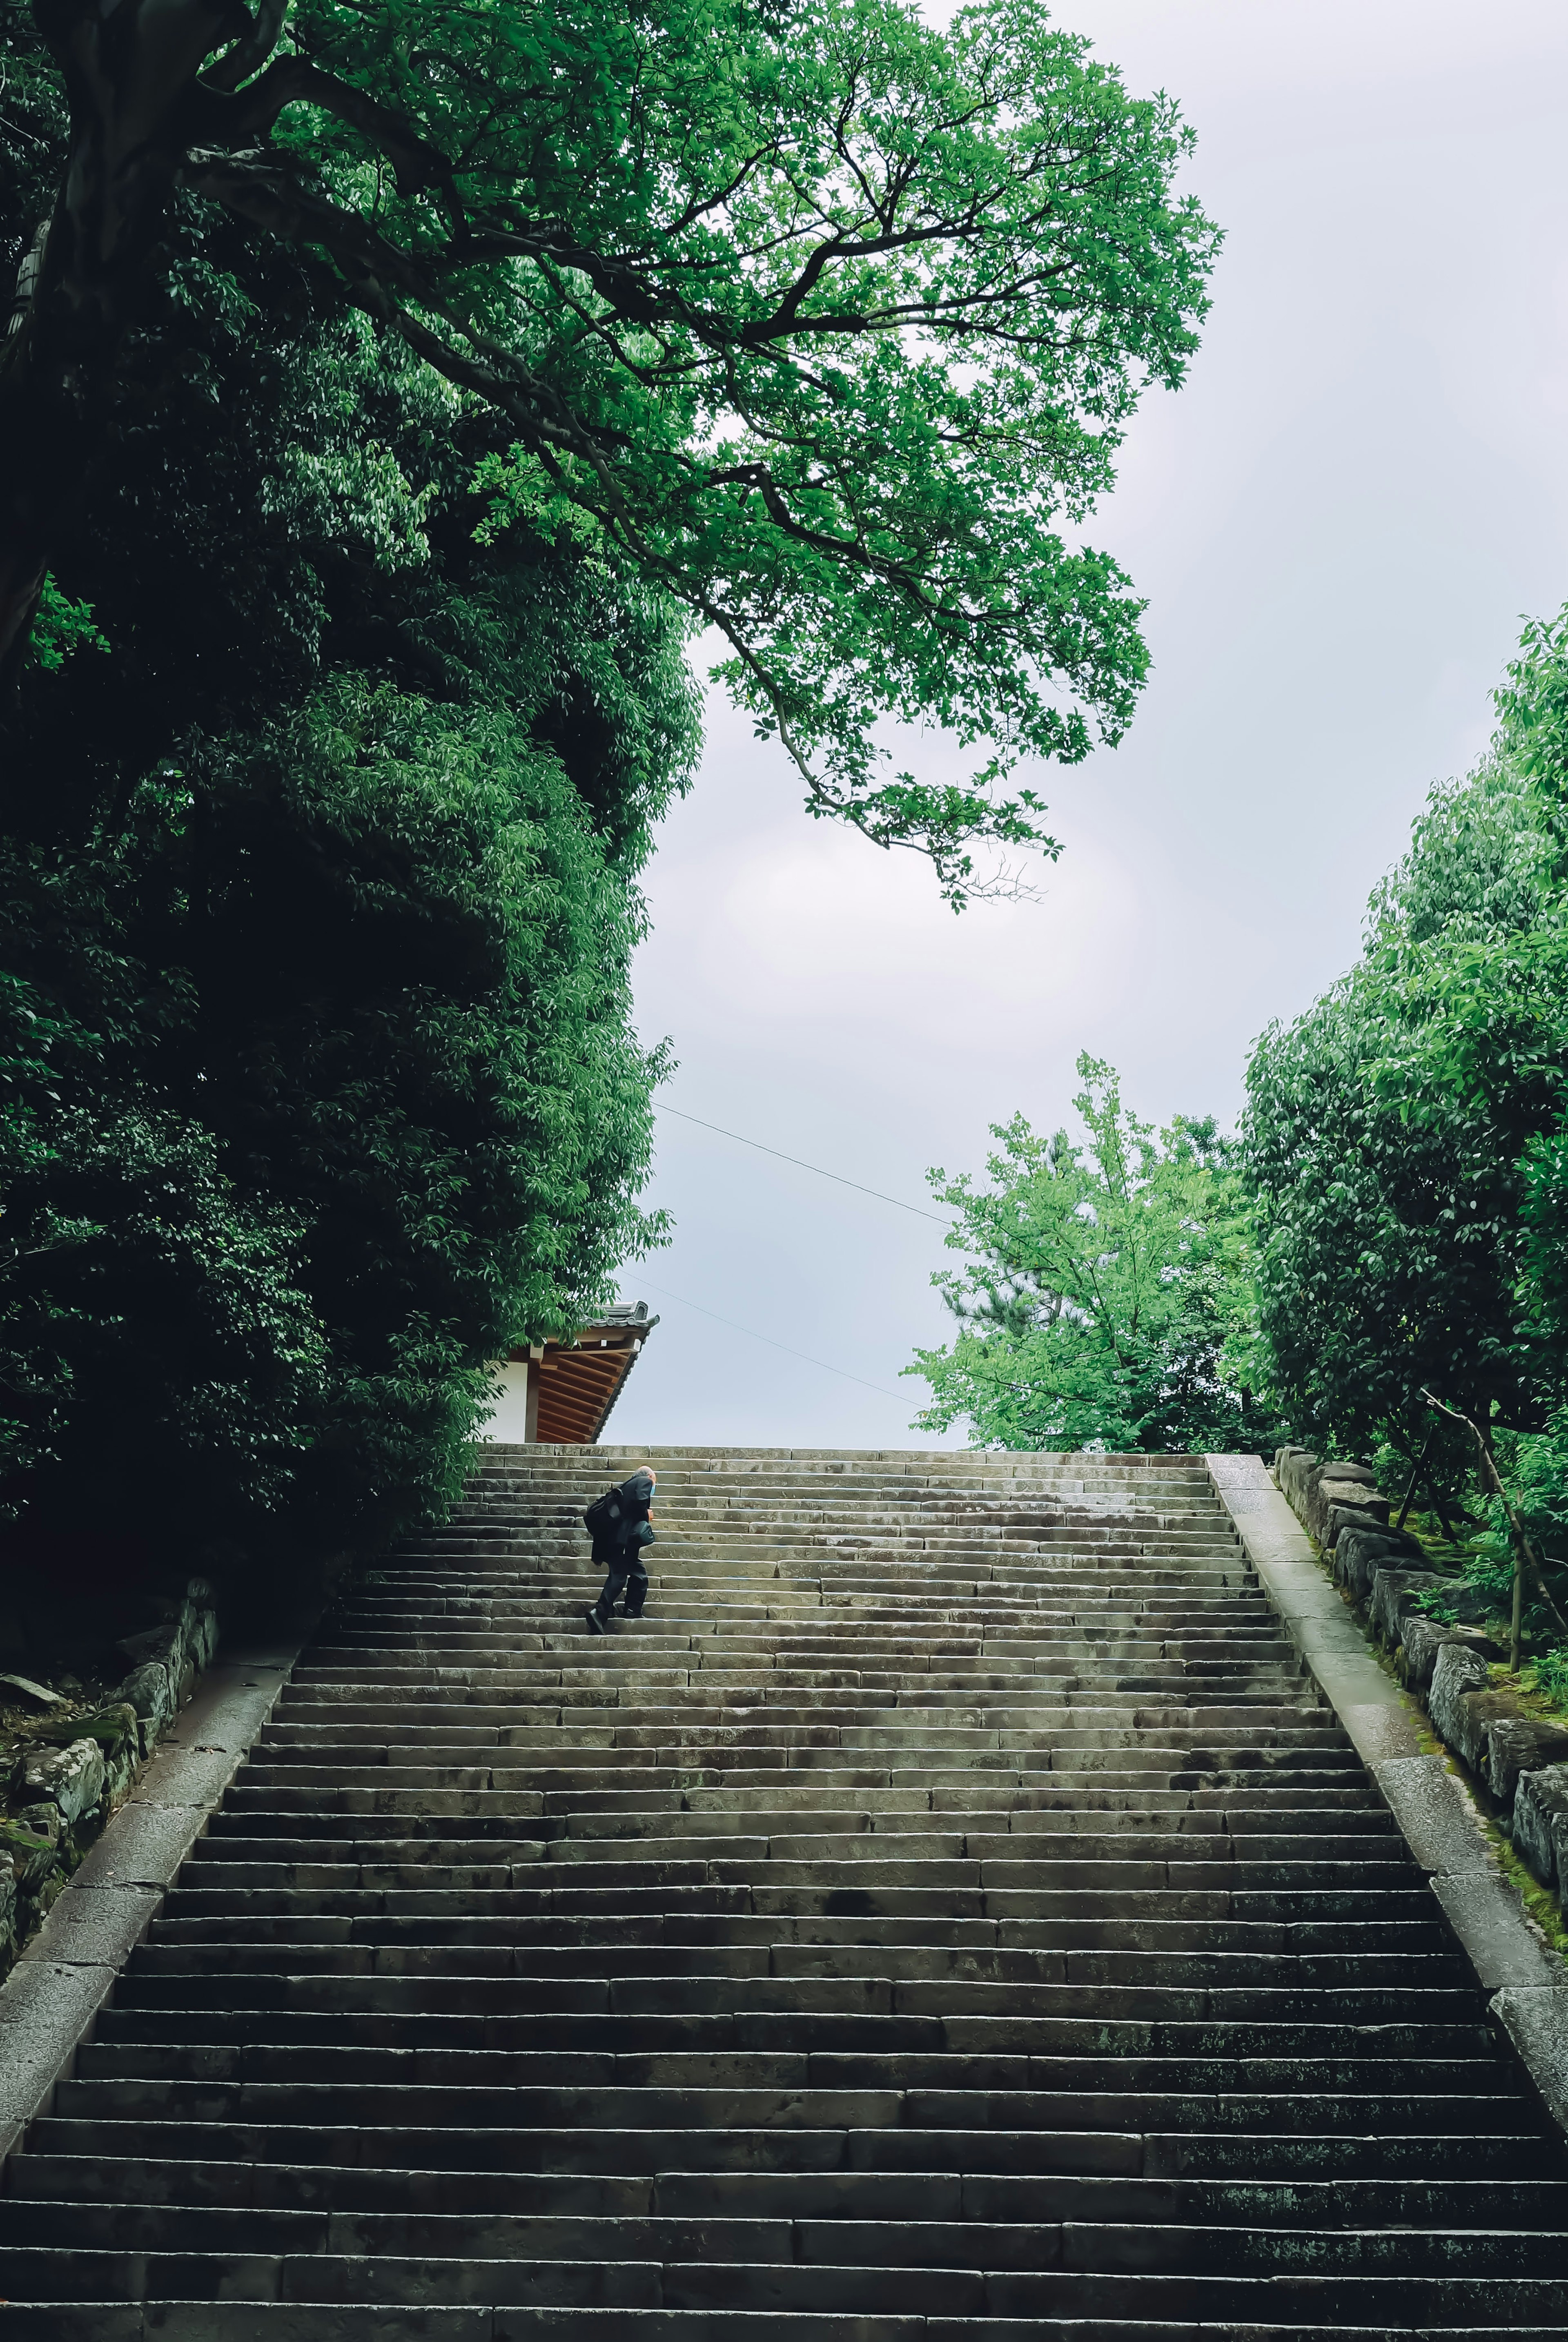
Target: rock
[[1293, 1467], [1421, 1640], [202, 1640], [30, 1851], [1395, 1593], [1522, 1744], [43, 1820], [112, 1728], [71, 1778], [1356, 1554], [1345, 1514], [158, 1644], [147, 1691], [48, 1895], [40, 1693], [7, 1896], [1456, 1678], [1481, 1715], [1541, 1824]]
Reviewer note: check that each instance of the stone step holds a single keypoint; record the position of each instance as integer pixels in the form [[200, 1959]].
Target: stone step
[[791, 2019], [587, 2060], [1497, 2149], [65, 2183]]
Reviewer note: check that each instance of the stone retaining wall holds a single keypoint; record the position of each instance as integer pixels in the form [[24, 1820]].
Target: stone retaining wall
[[1520, 1759], [71, 1775]]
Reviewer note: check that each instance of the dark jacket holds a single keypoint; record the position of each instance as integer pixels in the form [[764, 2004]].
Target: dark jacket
[[632, 1528]]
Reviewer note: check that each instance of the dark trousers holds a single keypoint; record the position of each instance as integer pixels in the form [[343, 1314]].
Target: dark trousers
[[625, 1574]]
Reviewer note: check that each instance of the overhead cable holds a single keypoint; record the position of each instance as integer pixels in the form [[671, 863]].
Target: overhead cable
[[751, 1330], [801, 1165]]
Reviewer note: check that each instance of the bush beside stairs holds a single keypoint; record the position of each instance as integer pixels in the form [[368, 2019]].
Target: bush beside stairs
[[949, 1913]]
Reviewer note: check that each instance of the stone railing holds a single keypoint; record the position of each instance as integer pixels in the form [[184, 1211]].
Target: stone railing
[[69, 1775], [1520, 1759]]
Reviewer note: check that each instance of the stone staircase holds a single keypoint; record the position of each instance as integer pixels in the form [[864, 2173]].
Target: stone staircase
[[947, 1914]]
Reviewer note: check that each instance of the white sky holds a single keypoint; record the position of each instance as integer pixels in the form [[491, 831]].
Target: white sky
[[1340, 522]]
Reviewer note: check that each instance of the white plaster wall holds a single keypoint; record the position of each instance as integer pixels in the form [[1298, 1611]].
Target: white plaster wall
[[510, 1420]]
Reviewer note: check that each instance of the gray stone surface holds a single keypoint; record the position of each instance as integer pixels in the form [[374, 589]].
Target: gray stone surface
[[1457, 1677], [1521, 1744], [1479, 1715], [1381, 1730], [1358, 1553], [145, 1846], [1422, 1639], [1488, 1918], [1379, 1719], [1440, 1822], [51, 1996], [199, 1755], [149, 1691], [1435, 1811], [1541, 1822], [71, 1778], [1395, 1594], [1341, 1514], [319, 2321], [100, 1927], [1535, 2019], [1293, 1467], [45, 2008]]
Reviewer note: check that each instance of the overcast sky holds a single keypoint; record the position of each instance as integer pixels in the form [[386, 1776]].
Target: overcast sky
[[1340, 524]]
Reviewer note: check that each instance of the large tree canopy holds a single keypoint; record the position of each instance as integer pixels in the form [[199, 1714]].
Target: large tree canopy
[[318, 888], [825, 322]]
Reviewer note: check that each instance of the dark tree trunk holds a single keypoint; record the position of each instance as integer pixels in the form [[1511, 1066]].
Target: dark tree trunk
[[130, 73]]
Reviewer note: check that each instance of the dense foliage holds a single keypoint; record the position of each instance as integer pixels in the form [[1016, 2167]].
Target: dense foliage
[[821, 320], [318, 886], [1400, 1135], [1407, 1149], [1106, 1297]]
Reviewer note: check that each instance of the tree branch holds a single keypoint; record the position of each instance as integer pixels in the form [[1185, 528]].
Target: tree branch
[[252, 50], [1525, 1544], [294, 80]]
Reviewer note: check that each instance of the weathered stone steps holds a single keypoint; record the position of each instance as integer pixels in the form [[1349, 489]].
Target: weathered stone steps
[[948, 1915]]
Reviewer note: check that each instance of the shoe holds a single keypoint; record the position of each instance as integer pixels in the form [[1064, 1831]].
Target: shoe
[[596, 1625], [631, 1614]]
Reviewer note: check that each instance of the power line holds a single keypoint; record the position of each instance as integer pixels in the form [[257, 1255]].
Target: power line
[[755, 1337], [801, 1165]]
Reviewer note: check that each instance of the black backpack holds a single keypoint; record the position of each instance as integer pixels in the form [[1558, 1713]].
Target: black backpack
[[604, 1513]]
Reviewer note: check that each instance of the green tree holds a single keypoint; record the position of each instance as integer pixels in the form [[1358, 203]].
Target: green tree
[[362, 978], [318, 888], [1398, 1137], [824, 322], [1106, 1297]]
